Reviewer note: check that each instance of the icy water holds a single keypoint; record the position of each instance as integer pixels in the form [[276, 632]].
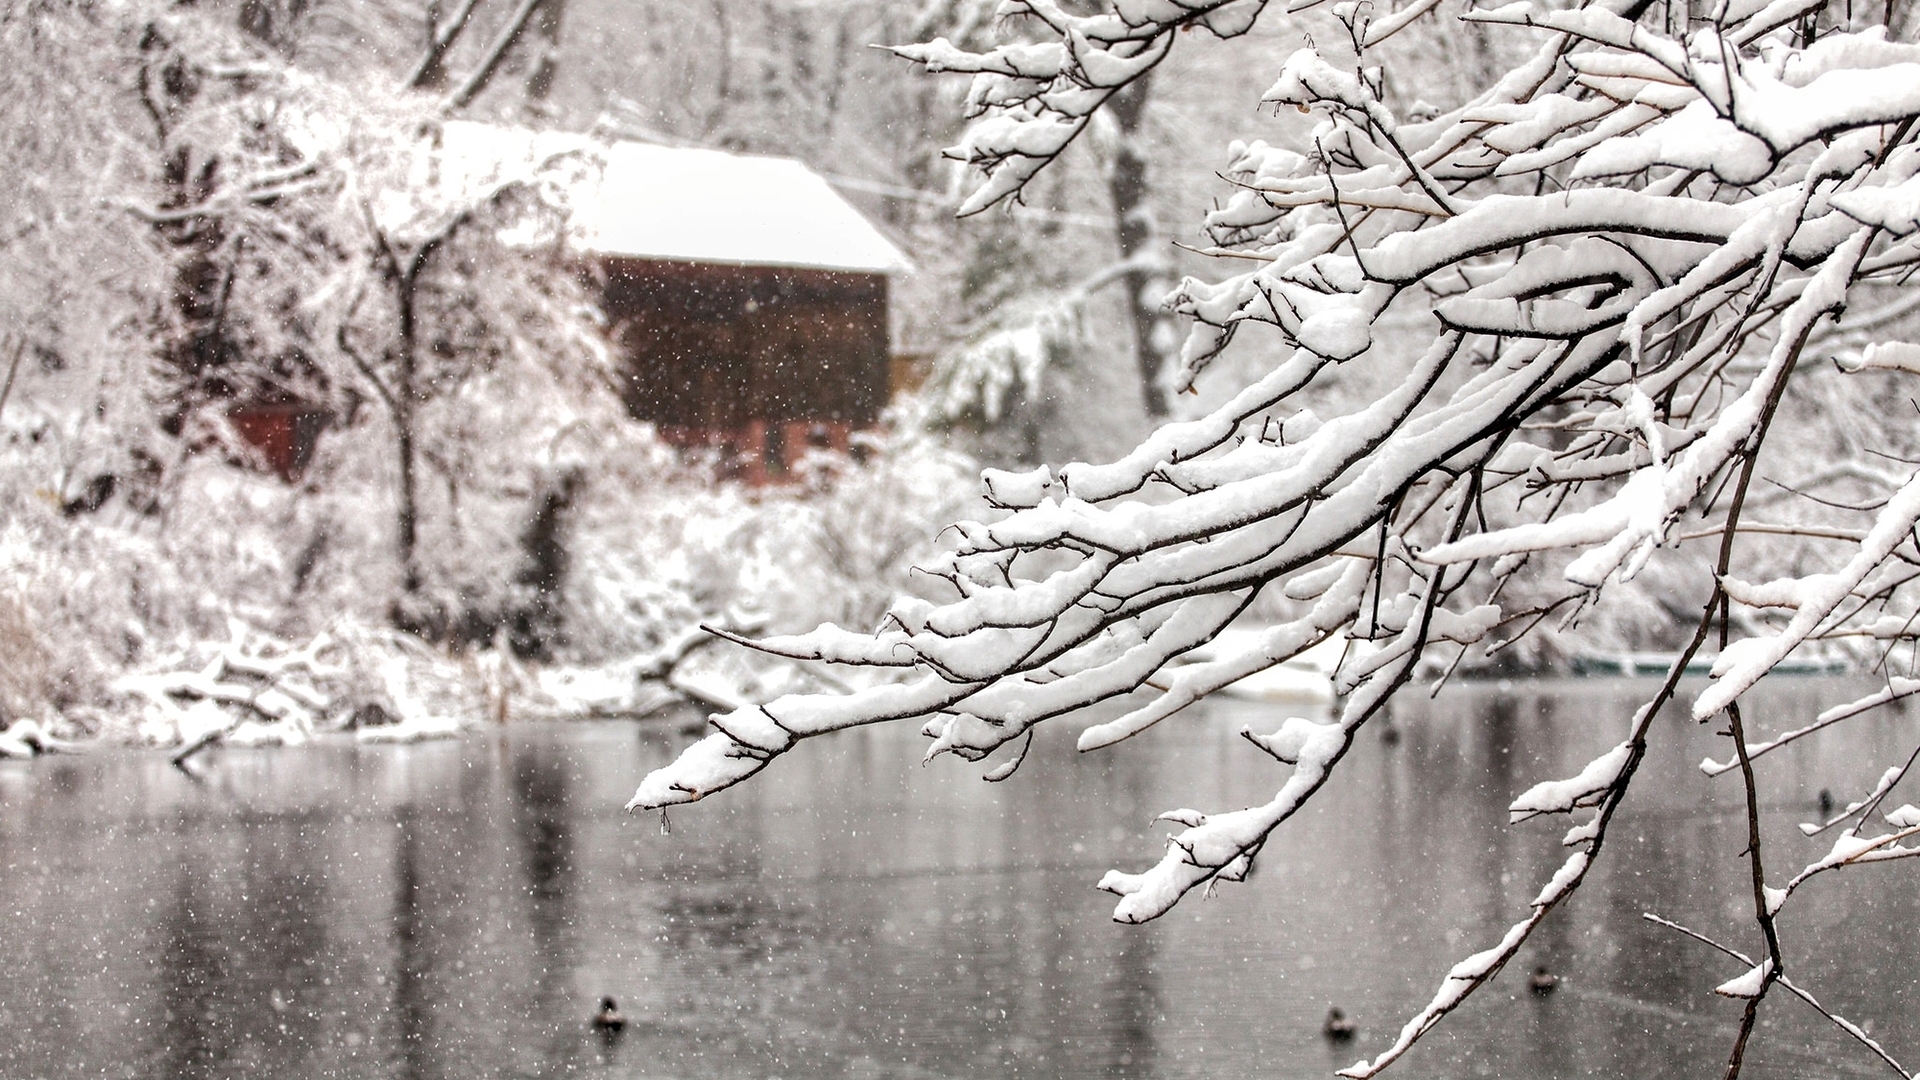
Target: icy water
[[456, 909]]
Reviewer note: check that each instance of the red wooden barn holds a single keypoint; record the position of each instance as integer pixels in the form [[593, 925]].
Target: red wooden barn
[[747, 298]]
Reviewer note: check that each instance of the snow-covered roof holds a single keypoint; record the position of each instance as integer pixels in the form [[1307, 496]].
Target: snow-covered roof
[[661, 202]]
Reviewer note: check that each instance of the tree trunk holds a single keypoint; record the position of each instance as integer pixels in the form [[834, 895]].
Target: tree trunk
[[1138, 239], [408, 515], [403, 402]]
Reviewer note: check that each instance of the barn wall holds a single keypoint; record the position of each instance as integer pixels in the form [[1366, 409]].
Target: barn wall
[[728, 347], [284, 434]]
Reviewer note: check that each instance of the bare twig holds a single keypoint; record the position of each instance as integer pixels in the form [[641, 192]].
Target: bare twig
[[1854, 1031], [13, 368]]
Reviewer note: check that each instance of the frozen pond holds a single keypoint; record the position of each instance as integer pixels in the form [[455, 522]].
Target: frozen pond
[[456, 909]]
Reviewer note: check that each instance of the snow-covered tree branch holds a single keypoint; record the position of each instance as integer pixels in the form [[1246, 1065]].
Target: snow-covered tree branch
[[1592, 292]]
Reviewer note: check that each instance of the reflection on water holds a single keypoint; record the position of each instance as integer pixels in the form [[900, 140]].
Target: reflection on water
[[458, 909]]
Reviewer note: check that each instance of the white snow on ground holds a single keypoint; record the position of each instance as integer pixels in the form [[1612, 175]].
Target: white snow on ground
[[614, 689], [27, 738]]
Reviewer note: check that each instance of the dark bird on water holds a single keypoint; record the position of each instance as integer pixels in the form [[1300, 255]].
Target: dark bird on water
[[1542, 981], [1338, 1027], [1826, 801], [608, 1019]]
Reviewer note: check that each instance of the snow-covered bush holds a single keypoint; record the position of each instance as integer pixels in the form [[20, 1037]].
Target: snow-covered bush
[[1657, 271], [659, 548], [27, 679], [980, 381], [255, 690], [154, 582]]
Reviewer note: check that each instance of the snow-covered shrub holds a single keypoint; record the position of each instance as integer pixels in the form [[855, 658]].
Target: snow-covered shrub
[[658, 547], [1634, 317], [27, 678], [979, 381], [254, 689]]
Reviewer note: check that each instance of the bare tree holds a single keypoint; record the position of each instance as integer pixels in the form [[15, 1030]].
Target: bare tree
[[1623, 263], [399, 388], [415, 342]]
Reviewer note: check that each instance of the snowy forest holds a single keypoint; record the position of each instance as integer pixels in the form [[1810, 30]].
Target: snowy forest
[[226, 219], [1400, 348]]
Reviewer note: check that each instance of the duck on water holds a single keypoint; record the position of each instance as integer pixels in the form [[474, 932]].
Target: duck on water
[[608, 1019]]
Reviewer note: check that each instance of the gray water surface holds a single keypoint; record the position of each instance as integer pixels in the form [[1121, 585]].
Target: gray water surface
[[456, 909]]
